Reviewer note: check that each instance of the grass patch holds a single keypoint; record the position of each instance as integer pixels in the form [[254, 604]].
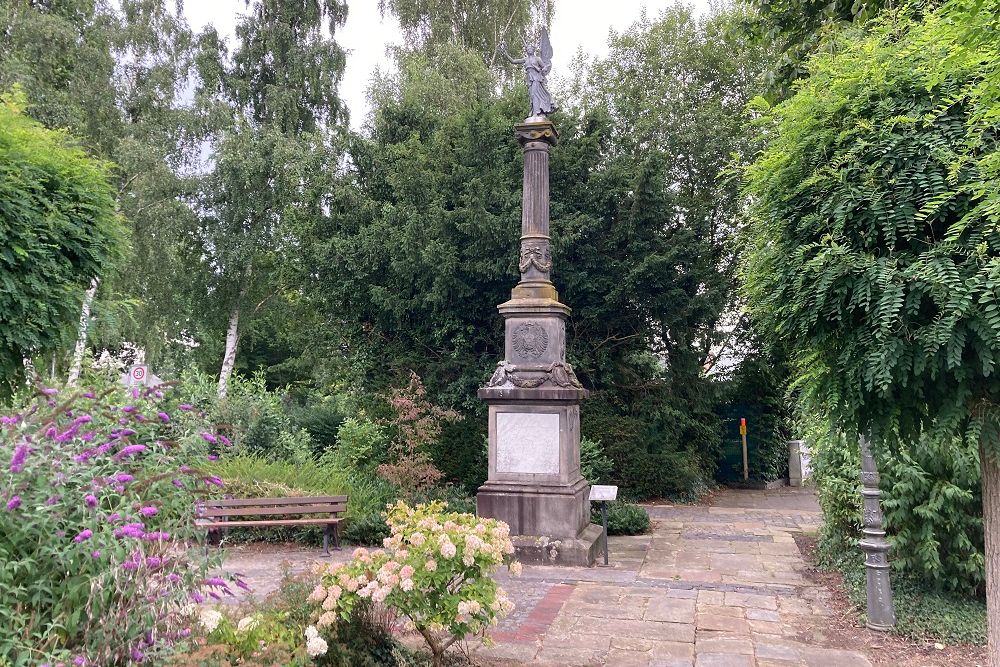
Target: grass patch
[[921, 614], [255, 477]]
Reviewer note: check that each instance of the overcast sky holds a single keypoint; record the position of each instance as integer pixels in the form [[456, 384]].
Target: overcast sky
[[576, 24]]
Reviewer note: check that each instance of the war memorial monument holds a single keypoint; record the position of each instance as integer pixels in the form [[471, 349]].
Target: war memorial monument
[[534, 397]]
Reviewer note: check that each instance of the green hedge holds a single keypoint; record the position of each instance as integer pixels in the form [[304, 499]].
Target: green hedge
[[932, 505]]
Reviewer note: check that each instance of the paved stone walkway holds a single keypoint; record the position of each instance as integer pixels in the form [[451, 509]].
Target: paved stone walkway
[[712, 585]]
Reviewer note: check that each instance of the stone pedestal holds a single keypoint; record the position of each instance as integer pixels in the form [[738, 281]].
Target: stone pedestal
[[534, 396]]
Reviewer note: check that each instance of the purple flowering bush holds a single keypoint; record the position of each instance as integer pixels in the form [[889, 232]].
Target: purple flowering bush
[[98, 547]]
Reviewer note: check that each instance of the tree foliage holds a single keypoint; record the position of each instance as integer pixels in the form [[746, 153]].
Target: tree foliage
[[276, 102], [876, 257], [478, 25], [794, 29], [868, 249], [112, 73], [59, 228]]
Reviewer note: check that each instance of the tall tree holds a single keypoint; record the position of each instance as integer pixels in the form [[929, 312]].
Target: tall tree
[[874, 254], [677, 88], [415, 257], [60, 230], [277, 96], [794, 29]]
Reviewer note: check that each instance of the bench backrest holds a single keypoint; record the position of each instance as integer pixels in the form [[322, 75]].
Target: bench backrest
[[273, 506]]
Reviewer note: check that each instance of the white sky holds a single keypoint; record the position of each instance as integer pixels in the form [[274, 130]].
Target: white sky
[[577, 24]]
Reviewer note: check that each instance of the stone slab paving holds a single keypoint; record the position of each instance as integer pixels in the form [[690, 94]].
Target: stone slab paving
[[720, 584]]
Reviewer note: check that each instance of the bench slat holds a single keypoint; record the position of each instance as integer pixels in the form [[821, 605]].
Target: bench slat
[[271, 502], [266, 511], [266, 522]]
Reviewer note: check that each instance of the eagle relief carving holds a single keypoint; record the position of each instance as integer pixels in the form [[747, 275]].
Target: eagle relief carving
[[530, 340]]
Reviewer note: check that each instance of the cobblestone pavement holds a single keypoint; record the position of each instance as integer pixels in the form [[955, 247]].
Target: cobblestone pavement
[[715, 585]]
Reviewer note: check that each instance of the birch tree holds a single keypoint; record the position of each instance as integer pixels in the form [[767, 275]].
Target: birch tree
[[274, 150]]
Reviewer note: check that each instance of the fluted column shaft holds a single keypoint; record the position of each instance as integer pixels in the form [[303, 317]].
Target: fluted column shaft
[[535, 262], [535, 259]]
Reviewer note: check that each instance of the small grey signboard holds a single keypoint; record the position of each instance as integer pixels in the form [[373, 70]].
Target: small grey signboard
[[599, 493]]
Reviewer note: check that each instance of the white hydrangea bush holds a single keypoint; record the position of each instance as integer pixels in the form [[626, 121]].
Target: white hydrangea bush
[[434, 570]]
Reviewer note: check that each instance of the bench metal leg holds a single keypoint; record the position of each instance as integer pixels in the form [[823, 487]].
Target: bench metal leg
[[326, 540], [336, 536]]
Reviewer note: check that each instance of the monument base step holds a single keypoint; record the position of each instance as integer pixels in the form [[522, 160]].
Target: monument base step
[[551, 509], [579, 551]]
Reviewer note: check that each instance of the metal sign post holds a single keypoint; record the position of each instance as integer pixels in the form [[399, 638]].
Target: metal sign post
[[743, 437], [603, 495]]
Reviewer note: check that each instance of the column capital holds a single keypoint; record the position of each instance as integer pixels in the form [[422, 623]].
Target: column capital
[[536, 130]]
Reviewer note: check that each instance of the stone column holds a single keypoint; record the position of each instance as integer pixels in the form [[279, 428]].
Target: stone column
[[536, 257], [881, 614], [534, 396]]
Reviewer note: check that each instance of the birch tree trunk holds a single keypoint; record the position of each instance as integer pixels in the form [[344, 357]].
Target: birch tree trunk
[[990, 464], [229, 358], [30, 373], [232, 339], [81, 336]]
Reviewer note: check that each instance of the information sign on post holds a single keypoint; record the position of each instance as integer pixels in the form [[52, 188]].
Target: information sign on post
[[604, 494]]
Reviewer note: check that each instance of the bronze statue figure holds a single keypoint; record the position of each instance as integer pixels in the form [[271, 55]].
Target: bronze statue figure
[[537, 62]]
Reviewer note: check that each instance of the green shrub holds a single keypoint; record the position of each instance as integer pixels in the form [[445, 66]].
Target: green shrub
[[362, 446], [756, 391], [362, 640], [97, 537], [921, 614], [461, 451], [837, 473], [256, 477], [59, 227], [321, 419], [253, 476], [934, 512], [435, 571], [623, 518], [665, 449], [367, 529], [455, 496], [255, 419], [931, 501], [595, 466]]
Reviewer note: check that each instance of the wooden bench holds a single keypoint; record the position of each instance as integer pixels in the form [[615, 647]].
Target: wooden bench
[[216, 515]]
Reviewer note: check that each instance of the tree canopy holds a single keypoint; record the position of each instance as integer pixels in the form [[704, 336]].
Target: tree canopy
[[875, 250], [419, 248], [869, 248], [60, 229], [480, 26]]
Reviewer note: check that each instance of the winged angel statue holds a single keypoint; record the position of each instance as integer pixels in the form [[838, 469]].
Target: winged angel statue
[[537, 62]]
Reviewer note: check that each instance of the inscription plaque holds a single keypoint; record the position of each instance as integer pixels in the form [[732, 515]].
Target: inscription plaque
[[528, 442]]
